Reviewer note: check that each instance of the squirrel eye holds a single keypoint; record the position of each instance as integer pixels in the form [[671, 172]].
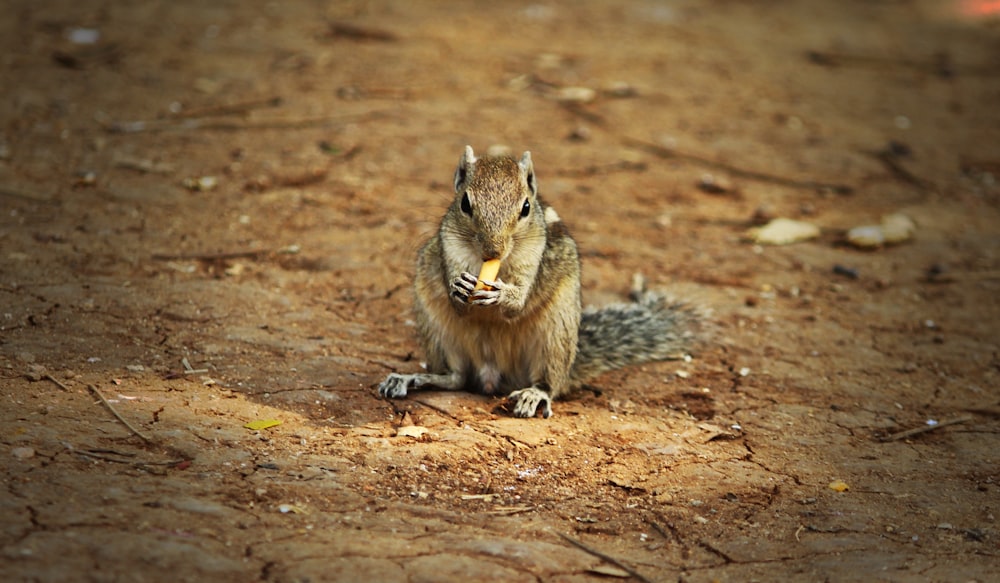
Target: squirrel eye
[[525, 209], [466, 204]]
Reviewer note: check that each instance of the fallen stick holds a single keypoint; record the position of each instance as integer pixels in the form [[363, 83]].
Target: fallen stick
[[56, 381], [925, 429], [142, 165], [663, 532], [950, 277], [892, 163], [114, 412], [620, 166], [25, 195], [604, 557], [108, 458], [228, 108], [940, 65], [188, 369], [360, 33], [249, 254], [192, 124], [668, 153]]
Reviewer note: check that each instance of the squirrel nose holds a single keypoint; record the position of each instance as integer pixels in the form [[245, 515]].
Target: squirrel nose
[[492, 249]]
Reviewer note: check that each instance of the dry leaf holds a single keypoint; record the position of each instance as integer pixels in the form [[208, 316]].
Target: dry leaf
[[262, 424], [414, 431]]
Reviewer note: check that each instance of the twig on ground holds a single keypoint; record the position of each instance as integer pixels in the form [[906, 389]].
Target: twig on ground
[[604, 557], [510, 510], [438, 409], [96, 391], [228, 108], [360, 33], [98, 456], [892, 163], [57, 382], [222, 256], [25, 195], [671, 153], [656, 526], [925, 428], [188, 369], [143, 165], [939, 64], [950, 277], [189, 124], [991, 411], [619, 166]]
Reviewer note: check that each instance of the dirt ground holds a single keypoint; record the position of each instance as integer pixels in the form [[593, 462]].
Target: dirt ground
[[210, 214]]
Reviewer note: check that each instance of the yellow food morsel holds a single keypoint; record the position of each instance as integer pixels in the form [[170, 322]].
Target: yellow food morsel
[[489, 272]]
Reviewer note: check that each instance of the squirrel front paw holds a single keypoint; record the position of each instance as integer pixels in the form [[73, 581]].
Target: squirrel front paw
[[526, 402], [463, 286], [395, 385], [463, 290]]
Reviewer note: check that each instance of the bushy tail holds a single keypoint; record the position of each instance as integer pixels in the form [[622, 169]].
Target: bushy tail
[[654, 327]]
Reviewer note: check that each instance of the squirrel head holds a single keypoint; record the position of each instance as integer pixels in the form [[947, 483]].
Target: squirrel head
[[496, 203]]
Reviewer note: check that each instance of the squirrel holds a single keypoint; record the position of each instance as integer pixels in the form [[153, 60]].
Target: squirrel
[[525, 334]]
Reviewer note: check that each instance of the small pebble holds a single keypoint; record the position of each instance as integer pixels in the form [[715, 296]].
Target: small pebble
[[23, 453], [84, 36], [36, 372], [762, 215], [85, 178], [620, 89], [714, 184], [576, 95], [201, 183], [499, 150], [579, 134], [846, 271]]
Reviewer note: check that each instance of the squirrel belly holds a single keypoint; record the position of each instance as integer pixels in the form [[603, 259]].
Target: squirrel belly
[[524, 334]]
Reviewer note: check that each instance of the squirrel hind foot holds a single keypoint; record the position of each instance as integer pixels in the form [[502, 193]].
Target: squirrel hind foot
[[526, 402], [396, 385]]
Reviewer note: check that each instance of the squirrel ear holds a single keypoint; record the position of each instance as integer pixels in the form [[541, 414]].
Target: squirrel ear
[[465, 165], [529, 172]]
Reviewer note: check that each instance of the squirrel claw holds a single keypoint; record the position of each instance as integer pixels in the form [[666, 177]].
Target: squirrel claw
[[526, 402], [489, 295], [463, 286], [484, 297], [395, 386]]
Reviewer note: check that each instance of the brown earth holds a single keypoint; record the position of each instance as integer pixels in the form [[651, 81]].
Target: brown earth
[[331, 131]]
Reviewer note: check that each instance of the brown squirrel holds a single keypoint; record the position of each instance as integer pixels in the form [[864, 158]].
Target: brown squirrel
[[523, 335]]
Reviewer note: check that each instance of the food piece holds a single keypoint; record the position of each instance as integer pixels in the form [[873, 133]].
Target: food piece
[[489, 272], [866, 236], [782, 231], [897, 228]]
